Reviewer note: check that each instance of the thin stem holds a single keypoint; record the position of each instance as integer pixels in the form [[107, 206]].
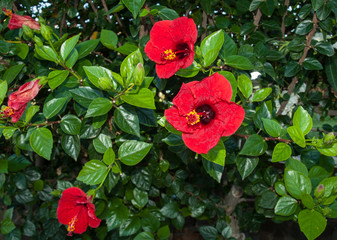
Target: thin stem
[[109, 168]]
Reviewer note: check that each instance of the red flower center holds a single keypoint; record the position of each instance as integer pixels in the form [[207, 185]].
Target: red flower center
[[71, 226], [7, 12], [206, 112], [182, 50], [193, 118], [8, 111]]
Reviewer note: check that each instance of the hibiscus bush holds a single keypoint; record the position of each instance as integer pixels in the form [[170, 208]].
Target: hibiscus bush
[[166, 119]]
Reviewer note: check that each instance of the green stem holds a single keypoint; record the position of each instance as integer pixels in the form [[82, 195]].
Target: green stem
[[109, 168]]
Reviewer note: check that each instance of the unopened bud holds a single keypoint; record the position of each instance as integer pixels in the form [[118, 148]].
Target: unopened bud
[[319, 191], [138, 74], [329, 138], [105, 83], [27, 31], [38, 41], [45, 31]]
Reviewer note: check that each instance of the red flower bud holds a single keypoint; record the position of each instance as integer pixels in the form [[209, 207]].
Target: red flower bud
[[16, 21]]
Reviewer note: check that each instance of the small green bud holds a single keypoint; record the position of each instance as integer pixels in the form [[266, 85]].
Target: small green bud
[[46, 32], [319, 191], [38, 41], [27, 31], [138, 74], [329, 138], [105, 83]]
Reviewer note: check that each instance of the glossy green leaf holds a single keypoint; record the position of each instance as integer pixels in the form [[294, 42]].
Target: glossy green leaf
[[213, 169], [41, 141], [98, 107], [109, 156], [294, 164], [140, 198], [144, 98], [286, 206], [11, 73], [127, 120], [272, 127], [116, 214], [261, 94], [128, 65], [68, 46], [281, 152], [217, 154], [297, 135], [229, 47], [255, 145], [3, 90], [211, 46], [144, 236], [134, 6], [70, 124], [304, 27], [94, 73], [56, 78], [54, 106], [46, 53], [245, 85], [109, 39], [302, 120], [85, 95], [312, 64], [132, 152], [71, 145], [93, 172], [190, 71], [297, 183], [208, 232], [316, 4], [331, 71], [86, 47], [246, 165], [130, 226], [312, 223], [239, 62], [102, 143]]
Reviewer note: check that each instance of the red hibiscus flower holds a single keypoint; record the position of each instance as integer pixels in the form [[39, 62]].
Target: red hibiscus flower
[[77, 211], [17, 101], [171, 45], [202, 111], [16, 21]]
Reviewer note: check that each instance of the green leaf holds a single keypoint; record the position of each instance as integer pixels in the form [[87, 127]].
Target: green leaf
[[41, 141], [163, 233], [144, 236], [254, 146], [144, 98], [132, 152], [246, 165], [239, 62], [140, 198], [126, 119], [282, 152], [116, 214], [213, 169], [190, 71], [170, 210], [68, 46], [329, 151], [70, 124], [286, 206], [12, 72], [98, 107], [3, 90], [308, 201], [297, 135], [293, 164], [312, 64], [46, 53], [21, 50], [71, 59], [331, 71], [302, 120], [102, 143], [297, 183], [56, 78], [211, 46], [94, 73], [230, 77], [134, 6], [167, 13], [316, 4], [54, 106], [17, 163], [312, 223], [85, 48], [127, 48], [304, 27], [208, 232], [93, 172], [85, 95], [325, 48], [109, 39], [229, 47], [129, 63], [173, 140], [261, 94], [245, 85], [272, 127], [130, 226], [7, 226], [71, 145], [109, 156], [268, 200], [217, 154]]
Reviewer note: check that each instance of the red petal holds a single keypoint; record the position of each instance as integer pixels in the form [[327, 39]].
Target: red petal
[[93, 220], [231, 115], [153, 52], [183, 29], [184, 100], [16, 21], [18, 113], [160, 35], [24, 94], [177, 121], [204, 139], [167, 70], [82, 221]]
